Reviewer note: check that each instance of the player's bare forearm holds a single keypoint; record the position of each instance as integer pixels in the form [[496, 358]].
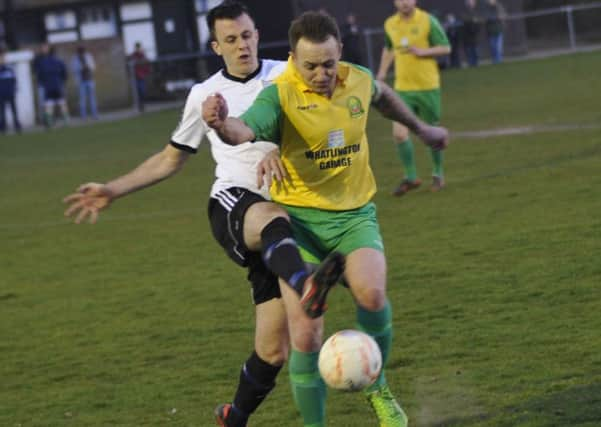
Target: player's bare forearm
[[430, 52], [392, 107], [91, 198], [437, 51], [386, 61], [234, 131], [153, 170]]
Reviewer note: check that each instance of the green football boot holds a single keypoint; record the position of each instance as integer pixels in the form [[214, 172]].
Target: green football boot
[[388, 411]]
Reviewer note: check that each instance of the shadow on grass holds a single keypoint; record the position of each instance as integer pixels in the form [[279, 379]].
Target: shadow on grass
[[575, 406]]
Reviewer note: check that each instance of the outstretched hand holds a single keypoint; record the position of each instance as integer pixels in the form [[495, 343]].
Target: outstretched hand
[[87, 202], [271, 167], [215, 111], [435, 137]]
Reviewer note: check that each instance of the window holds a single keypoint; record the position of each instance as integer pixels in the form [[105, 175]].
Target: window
[[203, 6], [98, 22], [56, 21]]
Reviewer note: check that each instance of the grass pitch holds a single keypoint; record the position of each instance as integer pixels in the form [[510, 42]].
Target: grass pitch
[[141, 320]]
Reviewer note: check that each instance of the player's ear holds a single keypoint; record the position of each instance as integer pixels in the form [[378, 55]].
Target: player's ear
[[216, 48]]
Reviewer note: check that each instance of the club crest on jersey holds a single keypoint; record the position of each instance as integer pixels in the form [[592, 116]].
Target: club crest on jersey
[[355, 107]]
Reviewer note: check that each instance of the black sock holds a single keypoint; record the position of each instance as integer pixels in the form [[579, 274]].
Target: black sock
[[281, 254], [257, 379]]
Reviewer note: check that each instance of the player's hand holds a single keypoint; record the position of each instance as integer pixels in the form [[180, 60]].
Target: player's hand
[[89, 199], [215, 111], [271, 167], [435, 137], [381, 77]]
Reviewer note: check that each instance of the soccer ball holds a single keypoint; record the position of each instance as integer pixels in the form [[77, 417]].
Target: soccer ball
[[350, 360]]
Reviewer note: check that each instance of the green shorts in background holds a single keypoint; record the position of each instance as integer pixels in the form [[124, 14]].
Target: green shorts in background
[[319, 232], [424, 103]]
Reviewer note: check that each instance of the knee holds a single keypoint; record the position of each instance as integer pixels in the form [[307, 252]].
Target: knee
[[306, 335], [372, 298], [274, 356], [400, 135], [273, 219], [274, 212], [275, 353]]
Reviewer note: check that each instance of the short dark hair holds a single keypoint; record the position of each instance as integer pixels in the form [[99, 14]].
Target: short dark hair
[[229, 9], [314, 26]]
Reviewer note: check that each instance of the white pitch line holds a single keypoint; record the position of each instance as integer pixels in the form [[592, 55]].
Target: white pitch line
[[523, 130]]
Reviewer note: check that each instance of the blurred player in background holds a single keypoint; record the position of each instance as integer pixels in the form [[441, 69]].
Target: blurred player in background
[[414, 39], [253, 231], [317, 111]]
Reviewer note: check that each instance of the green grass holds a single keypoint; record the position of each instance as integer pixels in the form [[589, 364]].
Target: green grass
[[494, 282]]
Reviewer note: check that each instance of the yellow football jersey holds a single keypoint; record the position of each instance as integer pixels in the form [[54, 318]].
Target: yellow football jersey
[[421, 30], [322, 140]]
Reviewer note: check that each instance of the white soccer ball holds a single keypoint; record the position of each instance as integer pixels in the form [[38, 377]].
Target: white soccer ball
[[350, 360]]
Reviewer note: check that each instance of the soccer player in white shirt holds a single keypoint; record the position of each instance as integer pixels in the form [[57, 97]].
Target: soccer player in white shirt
[[255, 232]]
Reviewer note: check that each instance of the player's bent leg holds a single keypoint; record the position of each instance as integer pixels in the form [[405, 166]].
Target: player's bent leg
[[305, 332], [305, 335], [259, 372], [267, 228], [271, 332], [256, 219], [366, 276]]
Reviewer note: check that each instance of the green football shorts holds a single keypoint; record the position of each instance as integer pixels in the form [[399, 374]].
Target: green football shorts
[[424, 103], [319, 232]]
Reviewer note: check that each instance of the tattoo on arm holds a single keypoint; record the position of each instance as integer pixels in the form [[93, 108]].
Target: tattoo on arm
[[392, 107]]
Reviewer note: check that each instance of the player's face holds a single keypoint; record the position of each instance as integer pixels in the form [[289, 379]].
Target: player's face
[[237, 41], [405, 7], [318, 63]]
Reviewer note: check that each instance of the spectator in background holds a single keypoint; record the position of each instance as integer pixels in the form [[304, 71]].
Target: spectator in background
[[8, 90], [141, 70], [494, 15], [351, 40], [52, 76], [82, 67], [41, 53], [453, 29], [471, 28]]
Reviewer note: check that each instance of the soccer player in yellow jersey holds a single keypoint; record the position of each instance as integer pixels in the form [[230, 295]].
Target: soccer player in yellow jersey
[[316, 111], [413, 40]]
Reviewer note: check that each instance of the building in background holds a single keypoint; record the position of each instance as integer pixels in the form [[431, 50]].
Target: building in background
[[173, 34]]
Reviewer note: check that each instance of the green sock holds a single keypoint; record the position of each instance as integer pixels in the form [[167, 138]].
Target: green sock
[[308, 388], [405, 149], [378, 324], [437, 162]]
